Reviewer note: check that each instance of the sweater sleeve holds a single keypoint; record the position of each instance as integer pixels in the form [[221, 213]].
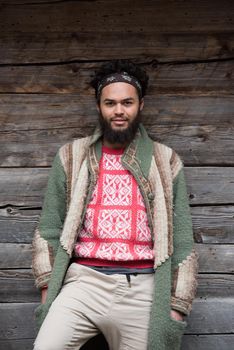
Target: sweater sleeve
[[184, 259], [47, 234]]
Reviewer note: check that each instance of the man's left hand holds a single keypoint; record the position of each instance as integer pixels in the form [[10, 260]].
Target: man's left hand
[[178, 316]]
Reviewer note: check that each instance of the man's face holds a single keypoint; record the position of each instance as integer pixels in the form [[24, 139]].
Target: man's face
[[119, 110]]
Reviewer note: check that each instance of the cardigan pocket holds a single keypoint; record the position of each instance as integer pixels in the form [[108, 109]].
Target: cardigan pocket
[[175, 331], [39, 315]]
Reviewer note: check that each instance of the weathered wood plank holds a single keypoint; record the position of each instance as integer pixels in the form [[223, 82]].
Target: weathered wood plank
[[24, 187], [61, 111], [206, 185], [209, 316], [29, 2], [37, 147], [12, 326], [34, 148], [208, 342], [17, 286], [213, 258], [214, 224], [216, 257], [18, 224], [30, 36], [102, 15], [210, 185], [21, 344], [198, 145], [211, 224], [16, 256], [190, 342], [57, 47], [210, 78], [215, 286]]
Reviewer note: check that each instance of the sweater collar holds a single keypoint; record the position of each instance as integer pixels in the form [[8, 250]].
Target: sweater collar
[[140, 149]]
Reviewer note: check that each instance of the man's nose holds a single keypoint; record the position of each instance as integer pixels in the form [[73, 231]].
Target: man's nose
[[119, 109]]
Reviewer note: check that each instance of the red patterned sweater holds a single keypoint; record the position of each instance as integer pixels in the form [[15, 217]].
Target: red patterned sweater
[[115, 230]]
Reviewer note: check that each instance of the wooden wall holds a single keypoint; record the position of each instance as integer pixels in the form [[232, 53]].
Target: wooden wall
[[49, 51]]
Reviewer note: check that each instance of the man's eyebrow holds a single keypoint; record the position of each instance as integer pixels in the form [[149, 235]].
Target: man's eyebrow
[[128, 99], [109, 99], [124, 99]]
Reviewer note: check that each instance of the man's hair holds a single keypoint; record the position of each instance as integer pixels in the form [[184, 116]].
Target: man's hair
[[120, 66]]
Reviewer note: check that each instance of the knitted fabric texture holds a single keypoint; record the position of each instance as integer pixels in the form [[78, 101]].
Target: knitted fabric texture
[[115, 227], [159, 174]]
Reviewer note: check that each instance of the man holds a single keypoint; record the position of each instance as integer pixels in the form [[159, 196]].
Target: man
[[113, 252]]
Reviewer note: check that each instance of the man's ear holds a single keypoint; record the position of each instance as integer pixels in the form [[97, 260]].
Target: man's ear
[[142, 103], [98, 107]]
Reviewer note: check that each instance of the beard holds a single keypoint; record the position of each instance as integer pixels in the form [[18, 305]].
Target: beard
[[124, 136]]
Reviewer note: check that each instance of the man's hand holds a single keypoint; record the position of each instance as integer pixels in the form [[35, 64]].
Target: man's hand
[[43, 295], [178, 316]]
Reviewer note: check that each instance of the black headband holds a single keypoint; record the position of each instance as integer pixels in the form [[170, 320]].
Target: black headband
[[123, 77]]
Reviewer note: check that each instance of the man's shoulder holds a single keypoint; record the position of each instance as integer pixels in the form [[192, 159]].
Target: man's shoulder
[[76, 145], [167, 153], [73, 152], [162, 148]]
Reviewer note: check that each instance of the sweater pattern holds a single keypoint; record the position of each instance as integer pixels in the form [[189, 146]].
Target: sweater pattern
[[115, 226]]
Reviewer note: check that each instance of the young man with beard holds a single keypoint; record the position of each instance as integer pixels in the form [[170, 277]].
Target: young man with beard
[[113, 252]]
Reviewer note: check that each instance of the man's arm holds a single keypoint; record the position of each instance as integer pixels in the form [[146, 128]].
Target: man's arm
[[184, 259], [47, 234]]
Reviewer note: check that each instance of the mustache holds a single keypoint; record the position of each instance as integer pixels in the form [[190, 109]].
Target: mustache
[[118, 118]]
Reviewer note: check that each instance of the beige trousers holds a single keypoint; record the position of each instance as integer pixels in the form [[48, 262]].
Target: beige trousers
[[91, 302]]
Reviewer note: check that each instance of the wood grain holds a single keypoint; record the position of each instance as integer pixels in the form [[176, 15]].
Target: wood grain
[[27, 112], [206, 79], [211, 316], [95, 16], [18, 224], [198, 31], [208, 342], [197, 145], [213, 224], [209, 185]]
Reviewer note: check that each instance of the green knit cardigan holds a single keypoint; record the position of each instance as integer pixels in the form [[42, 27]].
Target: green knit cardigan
[[159, 173]]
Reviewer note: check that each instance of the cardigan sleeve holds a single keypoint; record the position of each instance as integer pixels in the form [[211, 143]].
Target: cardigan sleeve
[[47, 234], [184, 258]]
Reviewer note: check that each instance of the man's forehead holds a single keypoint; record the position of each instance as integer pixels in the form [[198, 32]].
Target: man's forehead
[[119, 90]]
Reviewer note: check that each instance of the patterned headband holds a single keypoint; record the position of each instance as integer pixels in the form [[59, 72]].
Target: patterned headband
[[123, 77]]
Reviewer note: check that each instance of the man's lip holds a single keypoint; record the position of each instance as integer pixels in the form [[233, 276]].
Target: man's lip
[[119, 119]]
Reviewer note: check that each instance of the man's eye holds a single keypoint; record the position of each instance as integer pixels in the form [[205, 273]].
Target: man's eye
[[128, 103], [109, 103]]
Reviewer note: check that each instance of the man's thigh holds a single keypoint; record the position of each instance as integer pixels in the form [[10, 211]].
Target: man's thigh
[[66, 325], [90, 302]]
